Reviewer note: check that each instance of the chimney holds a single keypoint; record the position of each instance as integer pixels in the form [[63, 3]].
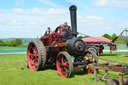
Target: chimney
[[73, 17]]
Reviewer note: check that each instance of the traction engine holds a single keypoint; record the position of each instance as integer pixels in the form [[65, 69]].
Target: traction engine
[[61, 48]]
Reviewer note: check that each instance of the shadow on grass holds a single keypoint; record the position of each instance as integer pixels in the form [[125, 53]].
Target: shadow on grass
[[78, 72], [47, 67], [51, 67], [75, 71]]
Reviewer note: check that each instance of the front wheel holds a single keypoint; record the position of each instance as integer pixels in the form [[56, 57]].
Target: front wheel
[[64, 64]]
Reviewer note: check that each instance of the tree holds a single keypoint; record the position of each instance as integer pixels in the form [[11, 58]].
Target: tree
[[80, 37], [12, 43], [86, 36], [7, 43], [107, 36], [1, 43], [113, 36], [18, 42]]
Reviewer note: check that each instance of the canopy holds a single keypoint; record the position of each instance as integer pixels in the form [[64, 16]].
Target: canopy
[[97, 40]]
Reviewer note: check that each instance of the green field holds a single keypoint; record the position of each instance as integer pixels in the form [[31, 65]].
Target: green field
[[9, 47], [11, 73]]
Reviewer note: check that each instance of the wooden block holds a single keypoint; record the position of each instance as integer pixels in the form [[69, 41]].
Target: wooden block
[[121, 81], [103, 63], [115, 64]]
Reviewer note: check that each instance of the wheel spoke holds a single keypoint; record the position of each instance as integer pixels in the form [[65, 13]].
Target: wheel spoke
[[35, 53], [65, 64], [67, 71], [32, 63], [30, 55], [36, 59], [32, 48], [35, 63], [88, 55], [91, 59]]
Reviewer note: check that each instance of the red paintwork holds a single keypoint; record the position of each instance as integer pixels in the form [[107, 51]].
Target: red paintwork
[[32, 62], [97, 40], [76, 67], [55, 37], [65, 66], [62, 44], [54, 40]]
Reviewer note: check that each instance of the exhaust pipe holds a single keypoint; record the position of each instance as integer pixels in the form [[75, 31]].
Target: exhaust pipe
[[73, 17]]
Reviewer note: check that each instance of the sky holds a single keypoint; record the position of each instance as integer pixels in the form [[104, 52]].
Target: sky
[[30, 18]]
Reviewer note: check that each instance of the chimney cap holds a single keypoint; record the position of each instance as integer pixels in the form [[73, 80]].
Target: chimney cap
[[73, 7]]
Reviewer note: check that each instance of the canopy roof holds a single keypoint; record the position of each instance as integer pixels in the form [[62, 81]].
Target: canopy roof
[[97, 40]]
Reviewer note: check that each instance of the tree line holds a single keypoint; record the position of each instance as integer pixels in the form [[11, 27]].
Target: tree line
[[119, 40], [12, 43]]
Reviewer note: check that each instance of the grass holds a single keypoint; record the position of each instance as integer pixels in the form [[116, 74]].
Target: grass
[[9, 47], [115, 56], [11, 73]]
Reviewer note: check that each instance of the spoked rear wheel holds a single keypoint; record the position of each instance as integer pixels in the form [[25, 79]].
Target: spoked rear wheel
[[36, 55], [91, 58], [64, 64]]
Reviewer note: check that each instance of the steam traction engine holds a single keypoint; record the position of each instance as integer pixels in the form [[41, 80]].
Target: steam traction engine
[[61, 48]]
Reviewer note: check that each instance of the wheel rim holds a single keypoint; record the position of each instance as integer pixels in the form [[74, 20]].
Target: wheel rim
[[62, 65], [91, 60], [32, 56]]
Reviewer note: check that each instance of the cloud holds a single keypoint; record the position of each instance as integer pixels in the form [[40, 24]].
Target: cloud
[[30, 22], [72, 1], [19, 2], [111, 3], [101, 2], [97, 26], [90, 20], [120, 3], [48, 2], [33, 22], [95, 18], [41, 11]]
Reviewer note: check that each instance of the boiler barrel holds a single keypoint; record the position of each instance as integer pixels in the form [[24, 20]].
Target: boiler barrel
[[73, 17]]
